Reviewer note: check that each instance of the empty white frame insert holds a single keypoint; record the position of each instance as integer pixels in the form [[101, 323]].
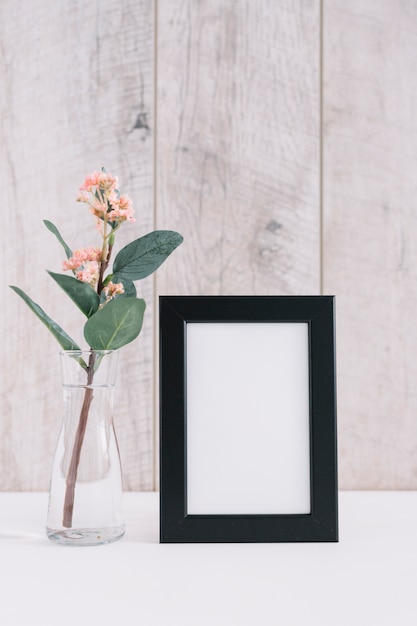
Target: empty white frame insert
[[248, 418]]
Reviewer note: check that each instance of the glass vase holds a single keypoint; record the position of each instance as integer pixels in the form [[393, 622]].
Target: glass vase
[[85, 498]]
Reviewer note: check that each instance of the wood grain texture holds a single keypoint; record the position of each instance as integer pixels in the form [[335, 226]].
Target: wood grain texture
[[76, 94], [370, 234], [237, 138], [238, 145]]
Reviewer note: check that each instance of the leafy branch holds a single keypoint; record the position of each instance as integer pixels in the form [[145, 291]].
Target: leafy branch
[[113, 324]]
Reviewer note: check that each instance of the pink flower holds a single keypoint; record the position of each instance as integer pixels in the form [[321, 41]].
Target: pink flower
[[98, 209], [85, 263], [82, 256], [121, 209], [100, 194], [113, 289], [89, 273], [103, 180]]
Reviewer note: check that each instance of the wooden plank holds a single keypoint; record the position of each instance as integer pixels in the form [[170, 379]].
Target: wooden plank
[[238, 146], [76, 94], [370, 240]]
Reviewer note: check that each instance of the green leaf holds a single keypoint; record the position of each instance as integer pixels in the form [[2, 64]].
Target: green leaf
[[60, 335], [144, 255], [84, 296], [57, 234], [119, 322]]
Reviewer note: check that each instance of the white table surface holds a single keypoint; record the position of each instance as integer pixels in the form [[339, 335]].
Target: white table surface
[[369, 578]]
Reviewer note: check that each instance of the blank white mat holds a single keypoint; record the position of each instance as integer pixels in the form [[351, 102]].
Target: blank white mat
[[247, 412]]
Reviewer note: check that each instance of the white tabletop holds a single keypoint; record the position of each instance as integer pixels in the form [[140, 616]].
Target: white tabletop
[[369, 578]]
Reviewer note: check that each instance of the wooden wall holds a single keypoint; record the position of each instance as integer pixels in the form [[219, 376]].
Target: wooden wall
[[277, 136], [370, 233]]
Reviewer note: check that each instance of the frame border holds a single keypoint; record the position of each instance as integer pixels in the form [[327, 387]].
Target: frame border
[[321, 524]]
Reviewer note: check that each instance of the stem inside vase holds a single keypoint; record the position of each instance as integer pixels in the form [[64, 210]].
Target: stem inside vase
[[78, 442]]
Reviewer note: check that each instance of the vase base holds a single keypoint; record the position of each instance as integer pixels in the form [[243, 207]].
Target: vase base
[[85, 536]]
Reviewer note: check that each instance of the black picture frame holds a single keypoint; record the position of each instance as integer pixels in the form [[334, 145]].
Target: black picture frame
[[181, 318]]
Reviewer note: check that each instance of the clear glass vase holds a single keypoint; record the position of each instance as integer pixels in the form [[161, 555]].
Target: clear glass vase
[[85, 498]]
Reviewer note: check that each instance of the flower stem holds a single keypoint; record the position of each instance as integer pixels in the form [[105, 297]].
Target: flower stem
[[82, 424], [103, 266], [78, 442]]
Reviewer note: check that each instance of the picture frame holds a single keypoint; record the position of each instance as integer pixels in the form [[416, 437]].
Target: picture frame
[[248, 449]]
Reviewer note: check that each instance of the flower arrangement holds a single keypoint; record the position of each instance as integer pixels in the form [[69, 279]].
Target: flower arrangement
[[108, 300], [114, 313]]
